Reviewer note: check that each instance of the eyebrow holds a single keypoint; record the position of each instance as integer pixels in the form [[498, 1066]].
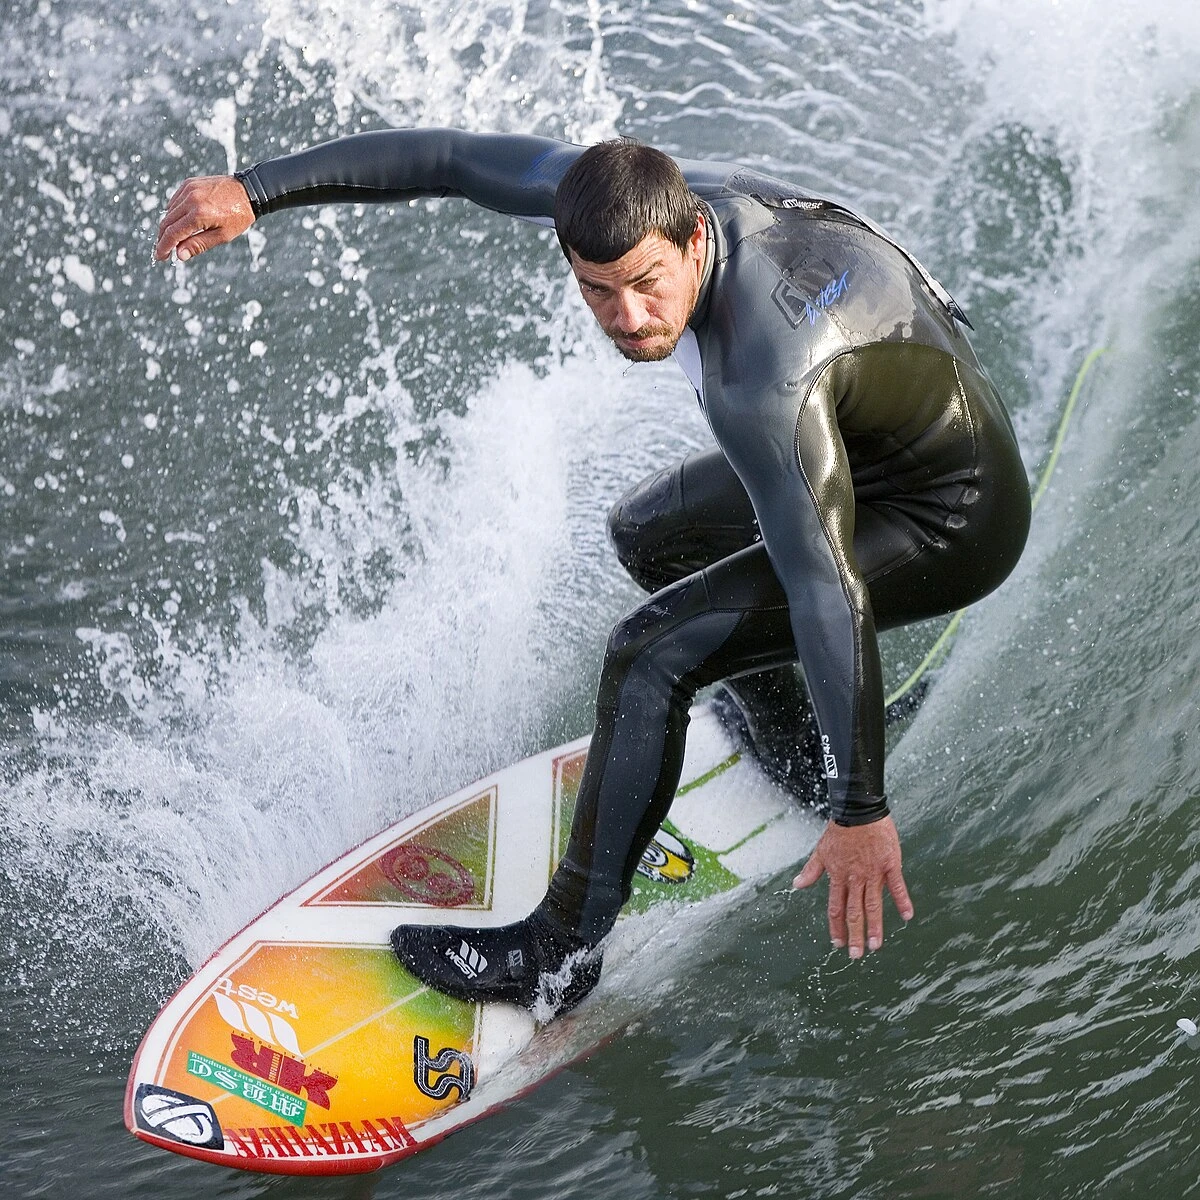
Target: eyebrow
[[654, 266]]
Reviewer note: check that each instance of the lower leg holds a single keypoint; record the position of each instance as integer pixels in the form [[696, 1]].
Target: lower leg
[[628, 784]]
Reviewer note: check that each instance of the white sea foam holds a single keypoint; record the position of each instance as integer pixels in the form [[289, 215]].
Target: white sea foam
[[509, 66], [241, 783]]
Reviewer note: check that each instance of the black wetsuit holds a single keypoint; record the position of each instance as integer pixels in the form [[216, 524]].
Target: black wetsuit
[[866, 476]]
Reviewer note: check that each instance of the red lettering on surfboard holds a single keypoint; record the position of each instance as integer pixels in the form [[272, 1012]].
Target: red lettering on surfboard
[[320, 1143], [337, 1138], [381, 1139], [284, 1146], [289, 1073], [394, 1128], [315, 1083], [263, 1062], [246, 1142]]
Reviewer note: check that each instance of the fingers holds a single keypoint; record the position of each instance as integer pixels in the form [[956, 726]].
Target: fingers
[[856, 916], [197, 243], [859, 863], [813, 870], [856, 912], [187, 234], [184, 237], [180, 221], [838, 912], [900, 896]]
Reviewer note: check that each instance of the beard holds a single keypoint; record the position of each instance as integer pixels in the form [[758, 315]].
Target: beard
[[652, 343]]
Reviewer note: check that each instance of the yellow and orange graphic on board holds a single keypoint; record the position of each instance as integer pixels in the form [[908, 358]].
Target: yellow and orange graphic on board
[[447, 863], [303, 1045]]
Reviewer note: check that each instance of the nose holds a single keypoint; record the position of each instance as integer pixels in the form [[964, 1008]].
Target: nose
[[630, 313]]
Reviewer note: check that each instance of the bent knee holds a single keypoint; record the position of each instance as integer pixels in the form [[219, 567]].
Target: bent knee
[[635, 636], [639, 520]]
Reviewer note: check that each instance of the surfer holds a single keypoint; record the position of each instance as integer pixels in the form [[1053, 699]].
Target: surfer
[[865, 475]]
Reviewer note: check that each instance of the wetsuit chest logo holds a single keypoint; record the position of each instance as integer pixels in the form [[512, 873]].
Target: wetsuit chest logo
[[798, 308]]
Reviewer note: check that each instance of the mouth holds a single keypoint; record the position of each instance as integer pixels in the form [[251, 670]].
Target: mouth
[[642, 336], [645, 346]]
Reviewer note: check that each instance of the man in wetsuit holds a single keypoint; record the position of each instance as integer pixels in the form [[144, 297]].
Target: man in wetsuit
[[865, 475]]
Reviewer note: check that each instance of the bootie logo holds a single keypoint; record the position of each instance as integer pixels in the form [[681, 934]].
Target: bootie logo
[[467, 959], [442, 1064]]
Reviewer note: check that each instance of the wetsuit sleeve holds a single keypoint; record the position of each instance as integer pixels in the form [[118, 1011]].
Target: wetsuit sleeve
[[831, 608], [792, 462], [509, 173]]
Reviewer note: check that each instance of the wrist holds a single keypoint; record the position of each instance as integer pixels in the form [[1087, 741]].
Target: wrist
[[255, 192], [861, 810]]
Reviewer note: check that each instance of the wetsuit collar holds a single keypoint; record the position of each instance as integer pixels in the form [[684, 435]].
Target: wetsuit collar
[[711, 240]]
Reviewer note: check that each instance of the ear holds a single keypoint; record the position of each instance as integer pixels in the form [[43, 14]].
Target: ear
[[699, 235]]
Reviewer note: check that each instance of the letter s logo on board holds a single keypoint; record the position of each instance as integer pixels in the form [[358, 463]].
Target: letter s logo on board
[[424, 1068]]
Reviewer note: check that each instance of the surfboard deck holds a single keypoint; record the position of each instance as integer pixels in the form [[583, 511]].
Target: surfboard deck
[[303, 1047]]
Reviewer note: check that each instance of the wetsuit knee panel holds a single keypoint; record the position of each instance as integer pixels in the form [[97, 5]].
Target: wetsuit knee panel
[[641, 518], [662, 613]]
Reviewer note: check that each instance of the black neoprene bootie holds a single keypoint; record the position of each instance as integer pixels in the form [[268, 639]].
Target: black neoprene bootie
[[770, 715], [530, 963], [778, 728]]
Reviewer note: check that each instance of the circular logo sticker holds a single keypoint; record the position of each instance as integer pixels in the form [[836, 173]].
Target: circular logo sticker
[[428, 876], [667, 860]]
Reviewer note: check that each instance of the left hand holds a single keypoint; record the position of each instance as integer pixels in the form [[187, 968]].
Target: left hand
[[859, 860]]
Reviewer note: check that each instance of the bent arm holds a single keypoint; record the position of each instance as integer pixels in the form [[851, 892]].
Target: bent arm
[[794, 466], [509, 173], [834, 624]]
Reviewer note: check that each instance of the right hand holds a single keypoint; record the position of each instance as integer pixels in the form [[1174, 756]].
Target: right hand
[[205, 212], [860, 861]]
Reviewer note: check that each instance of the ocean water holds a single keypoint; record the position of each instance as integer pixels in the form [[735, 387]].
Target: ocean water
[[310, 532]]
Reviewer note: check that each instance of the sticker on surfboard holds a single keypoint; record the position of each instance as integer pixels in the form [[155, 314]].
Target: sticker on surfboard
[[666, 860]]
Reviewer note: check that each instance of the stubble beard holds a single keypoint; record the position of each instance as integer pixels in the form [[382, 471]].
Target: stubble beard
[[651, 349]]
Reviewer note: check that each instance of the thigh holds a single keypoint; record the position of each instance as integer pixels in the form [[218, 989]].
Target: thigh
[[927, 551], [745, 585]]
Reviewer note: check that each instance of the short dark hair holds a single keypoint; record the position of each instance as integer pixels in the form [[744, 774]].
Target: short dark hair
[[617, 192]]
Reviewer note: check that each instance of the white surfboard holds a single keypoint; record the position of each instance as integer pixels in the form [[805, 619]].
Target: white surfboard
[[303, 1047]]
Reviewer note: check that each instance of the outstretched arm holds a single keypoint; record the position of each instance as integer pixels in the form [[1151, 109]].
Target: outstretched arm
[[509, 173]]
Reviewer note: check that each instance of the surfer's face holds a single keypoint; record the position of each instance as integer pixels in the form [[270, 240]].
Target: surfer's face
[[644, 298]]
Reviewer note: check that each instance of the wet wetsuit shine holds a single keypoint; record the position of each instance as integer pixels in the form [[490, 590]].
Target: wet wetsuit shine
[[858, 439]]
